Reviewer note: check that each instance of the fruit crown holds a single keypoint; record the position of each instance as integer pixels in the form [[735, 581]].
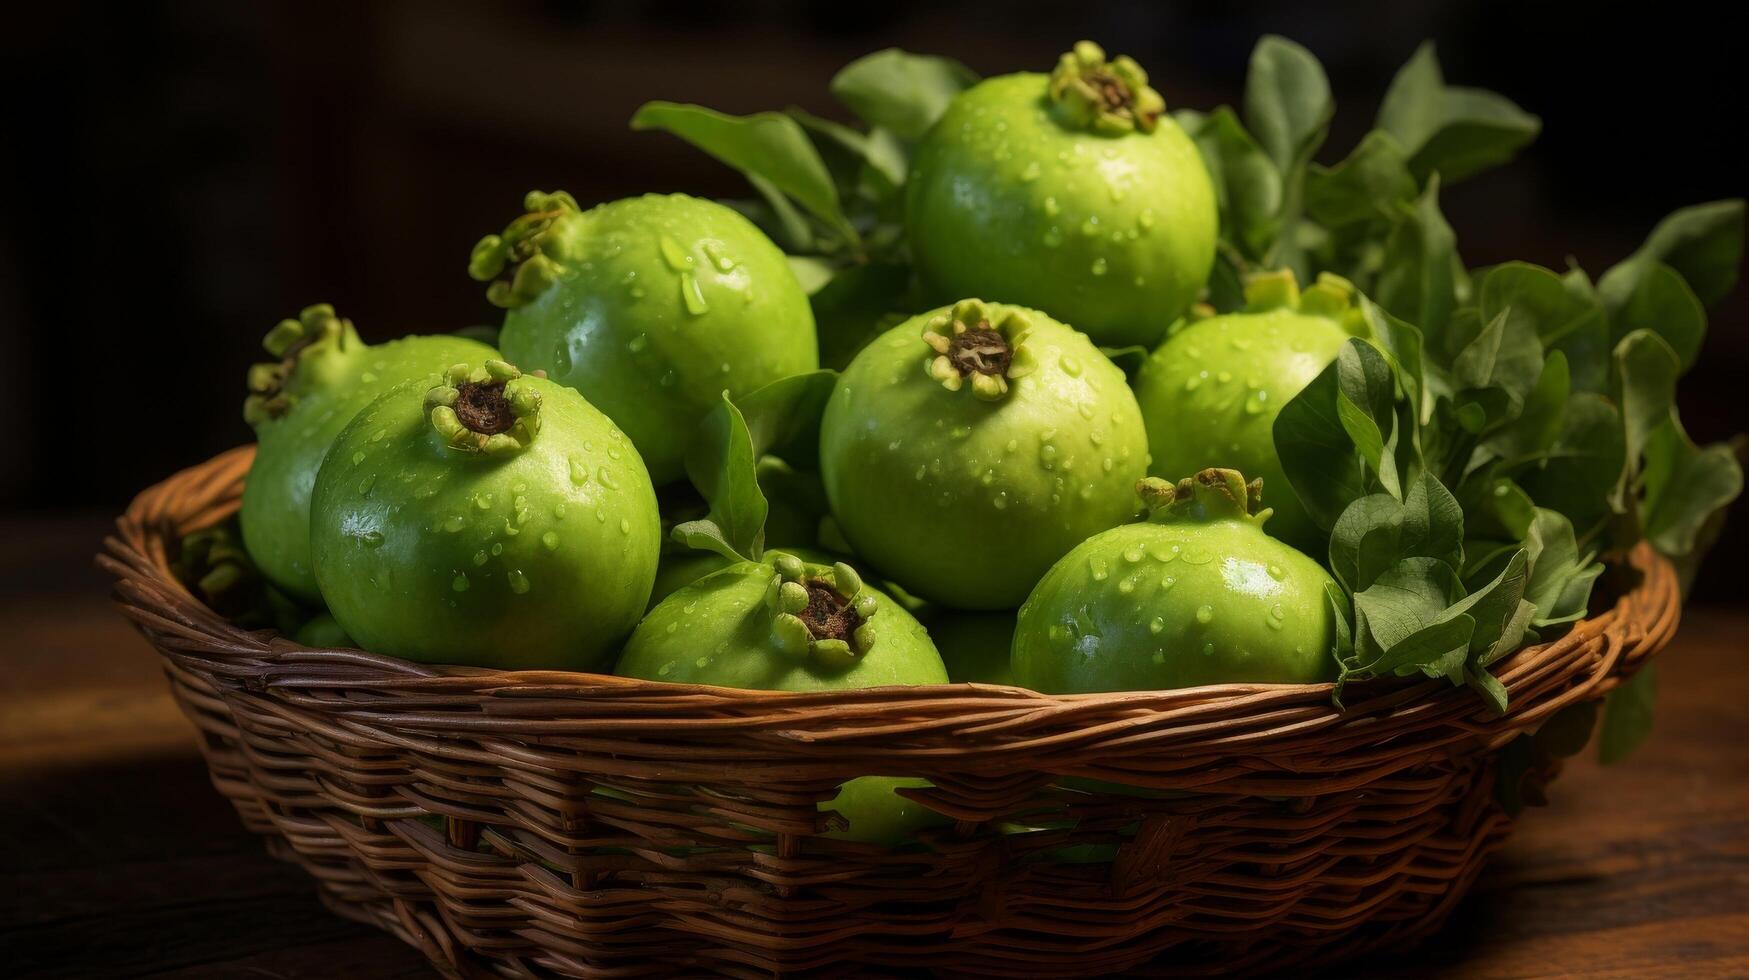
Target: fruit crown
[[977, 344], [1107, 97], [487, 410], [820, 613], [526, 259], [316, 335], [1329, 296], [1211, 495]]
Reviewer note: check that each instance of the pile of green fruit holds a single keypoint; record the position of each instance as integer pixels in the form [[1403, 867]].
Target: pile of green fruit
[[1023, 381]]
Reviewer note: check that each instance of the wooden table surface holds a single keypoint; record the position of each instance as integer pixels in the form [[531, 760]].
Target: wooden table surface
[[118, 858]]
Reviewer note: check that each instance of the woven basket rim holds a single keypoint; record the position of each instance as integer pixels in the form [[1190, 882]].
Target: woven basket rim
[[924, 724]]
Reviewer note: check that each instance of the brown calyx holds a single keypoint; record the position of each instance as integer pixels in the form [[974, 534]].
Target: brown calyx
[[980, 350], [482, 407], [829, 615], [1112, 91]]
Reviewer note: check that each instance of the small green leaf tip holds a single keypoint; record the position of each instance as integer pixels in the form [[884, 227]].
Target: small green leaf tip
[[820, 613], [974, 346], [316, 330], [525, 260], [1107, 97], [490, 409], [1211, 495]]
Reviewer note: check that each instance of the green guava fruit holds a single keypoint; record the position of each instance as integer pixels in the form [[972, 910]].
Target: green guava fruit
[[1197, 594], [1211, 392], [968, 448], [321, 376], [650, 306], [496, 519], [1072, 193], [782, 624]]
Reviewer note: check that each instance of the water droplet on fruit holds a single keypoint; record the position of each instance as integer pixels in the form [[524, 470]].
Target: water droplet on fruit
[[1132, 554], [483, 501], [550, 540], [638, 343], [517, 581], [480, 557], [579, 472], [674, 254], [1198, 555], [358, 457], [718, 258], [625, 525], [365, 484], [1098, 267], [607, 478], [1098, 568], [1205, 614], [1090, 227], [693, 296], [1053, 237], [1051, 206], [1013, 444], [459, 583], [1070, 366], [1208, 649], [663, 670], [1000, 501], [454, 523], [1224, 377]]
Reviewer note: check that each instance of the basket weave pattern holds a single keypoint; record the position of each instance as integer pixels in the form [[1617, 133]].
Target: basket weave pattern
[[599, 826]]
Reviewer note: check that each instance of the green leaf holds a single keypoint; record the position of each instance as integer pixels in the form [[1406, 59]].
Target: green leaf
[[783, 417], [1659, 301], [1316, 452], [1647, 368], [1505, 356], [1419, 278], [1627, 715], [901, 91], [1536, 297], [767, 145], [721, 462], [1287, 101], [1248, 187], [1539, 422], [1377, 531], [1587, 345], [1371, 185], [812, 272], [856, 306], [1407, 597], [1366, 406], [852, 150], [1703, 243], [1567, 731], [1685, 486], [1583, 467], [1560, 578], [705, 535], [1454, 131]]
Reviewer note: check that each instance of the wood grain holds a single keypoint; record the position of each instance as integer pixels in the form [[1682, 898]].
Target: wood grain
[[118, 858]]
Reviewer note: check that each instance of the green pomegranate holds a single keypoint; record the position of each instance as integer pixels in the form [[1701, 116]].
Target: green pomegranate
[[322, 375], [783, 624], [650, 306], [496, 519], [1073, 193], [321, 630], [968, 448], [1211, 392], [1197, 594]]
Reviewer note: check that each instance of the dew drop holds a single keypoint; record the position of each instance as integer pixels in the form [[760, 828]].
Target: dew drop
[[1128, 585], [1276, 572], [497, 548], [579, 472], [1097, 566], [517, 581], [693, 296], [663, 670], [1070, 366], [638, 343], [1157, 625], [480, 557], [454, 523], [460, 582], [1132, 554], [1098, 267], [1205, 614], [718, 258], [1208, 649], [1159, 656], [483, 501], [550, 540], [365, 484], [1167, 583], [358, 457], [1198, 555], [674, 254], [1053, 237], [607, 478], [1000, 501], [1051, 207]]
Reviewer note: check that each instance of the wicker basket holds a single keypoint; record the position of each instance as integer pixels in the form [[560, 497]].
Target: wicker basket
[[604, 827]]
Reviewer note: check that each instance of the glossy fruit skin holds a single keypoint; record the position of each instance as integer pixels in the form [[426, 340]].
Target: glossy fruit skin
[[718, 631], [540, 558], [964, 501], [1177, 602], [322, 631], [275, 514], [975, 646], [1211, 393], [1113, 234], [663, 302]]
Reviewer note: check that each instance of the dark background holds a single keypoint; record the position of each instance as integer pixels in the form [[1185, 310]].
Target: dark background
[[177, 177]]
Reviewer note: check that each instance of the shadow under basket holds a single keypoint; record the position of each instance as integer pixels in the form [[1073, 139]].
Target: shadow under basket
[[547, 823]]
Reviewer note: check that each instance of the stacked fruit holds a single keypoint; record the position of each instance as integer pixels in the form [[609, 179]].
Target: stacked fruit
[[1345, 457]]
